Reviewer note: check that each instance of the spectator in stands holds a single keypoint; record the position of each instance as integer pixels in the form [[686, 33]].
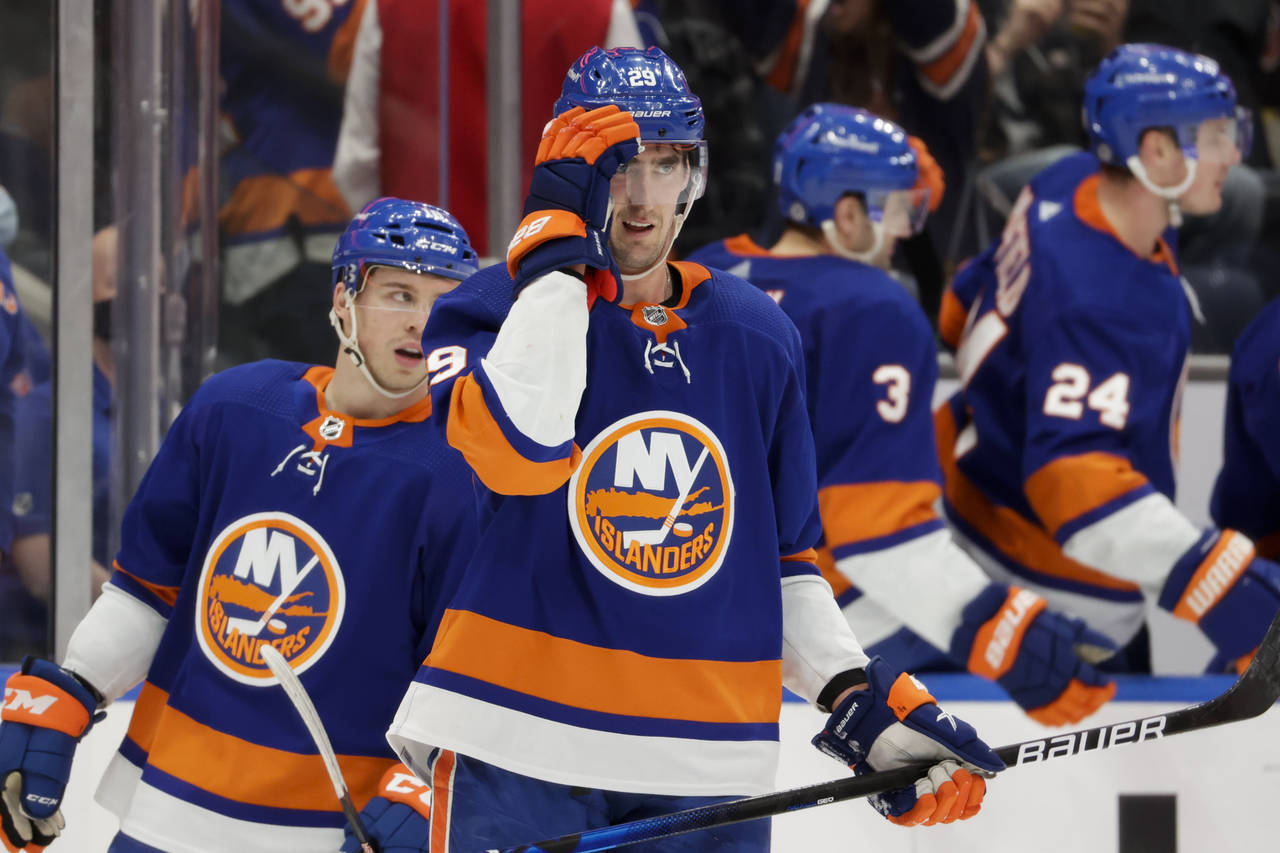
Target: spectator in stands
[[392, 116], [32, 503], [283, 67]]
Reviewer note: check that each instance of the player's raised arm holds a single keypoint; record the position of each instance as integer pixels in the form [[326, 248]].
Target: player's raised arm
[[513, 416]]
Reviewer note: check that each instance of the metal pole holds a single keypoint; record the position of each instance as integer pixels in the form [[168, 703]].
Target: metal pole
[[502, 78], [141, 116], [72, 322]]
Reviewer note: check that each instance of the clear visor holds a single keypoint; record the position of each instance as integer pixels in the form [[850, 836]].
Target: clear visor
[[662, 174], [402, 299], [900, 212], [1219, 140]]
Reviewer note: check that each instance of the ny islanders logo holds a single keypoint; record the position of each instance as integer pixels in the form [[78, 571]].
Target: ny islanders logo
[[268, 578], [652, 503]]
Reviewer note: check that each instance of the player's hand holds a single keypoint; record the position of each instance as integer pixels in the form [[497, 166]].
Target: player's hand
[[895, 722], [398, 818], [1042, 658], [46, 712], [929, 173], [567, 210], [1223, 586]]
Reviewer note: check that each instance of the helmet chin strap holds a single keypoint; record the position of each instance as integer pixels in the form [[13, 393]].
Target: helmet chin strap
[[1169, 194], [351, 347], [867, 257], [666, 250]]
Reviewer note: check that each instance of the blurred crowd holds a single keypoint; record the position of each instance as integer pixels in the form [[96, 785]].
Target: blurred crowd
[[327, 104]]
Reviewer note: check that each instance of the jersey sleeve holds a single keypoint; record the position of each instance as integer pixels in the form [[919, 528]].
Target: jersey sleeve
[[33, 452], [1092, 391], [1246, 496], [511, 412], [943, 38], [160, 523]]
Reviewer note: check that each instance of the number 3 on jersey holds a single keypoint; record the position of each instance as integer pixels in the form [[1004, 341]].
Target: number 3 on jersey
[[897, 380], [1071, 382]]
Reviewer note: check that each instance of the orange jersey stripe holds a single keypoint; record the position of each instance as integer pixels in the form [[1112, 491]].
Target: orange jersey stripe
[[146, 715], [783, 72], [250, 773], [857, 512], [476, 435], [1069, 486], [827, 568], [611, 681], [1019, 539], [951, 319], [265, 202], [167, 594], [441, 800], [343, 48], [940, 71], [742, 244]]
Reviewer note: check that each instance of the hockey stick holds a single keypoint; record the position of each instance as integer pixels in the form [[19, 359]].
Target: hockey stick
[[1251, 694], [302, 704]]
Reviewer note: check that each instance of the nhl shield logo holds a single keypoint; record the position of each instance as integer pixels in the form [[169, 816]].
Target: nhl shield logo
[[654, 315], [652, 503], [268, 578], [331, 428]]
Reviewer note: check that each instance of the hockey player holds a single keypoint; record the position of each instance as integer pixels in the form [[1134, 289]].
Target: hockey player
[[645, 583], [850, 184], [305, 507], [1059, 450], [1246, 496]]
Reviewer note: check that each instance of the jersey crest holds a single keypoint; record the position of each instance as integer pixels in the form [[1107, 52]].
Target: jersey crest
[[651, 505], [268, 578]]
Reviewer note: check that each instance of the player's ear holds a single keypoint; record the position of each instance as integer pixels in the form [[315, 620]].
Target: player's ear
[[1161, 157], [851, 222], [340, 302]]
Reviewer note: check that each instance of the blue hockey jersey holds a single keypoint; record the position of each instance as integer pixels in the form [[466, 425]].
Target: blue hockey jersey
[[1062, 441], [266, 518], [1246, 496], [620, 625], [870, 371], [13, 382]]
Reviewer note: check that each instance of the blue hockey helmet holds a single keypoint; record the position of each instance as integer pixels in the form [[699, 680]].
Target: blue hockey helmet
[[830, 151], [1142, 86], [648, 84], [644, 82], [411, 235]]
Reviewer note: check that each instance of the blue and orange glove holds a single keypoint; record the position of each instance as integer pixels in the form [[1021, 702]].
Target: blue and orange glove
[[46, 711], [1222, 585], [895, 722], [567, 210], [1043, 659], [398, 818]]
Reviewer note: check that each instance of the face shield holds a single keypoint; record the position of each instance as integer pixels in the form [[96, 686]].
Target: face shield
[[668, 174], [900, 213], [1218, 140]]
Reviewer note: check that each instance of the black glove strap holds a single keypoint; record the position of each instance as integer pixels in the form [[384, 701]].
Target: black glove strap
[[839, 684]]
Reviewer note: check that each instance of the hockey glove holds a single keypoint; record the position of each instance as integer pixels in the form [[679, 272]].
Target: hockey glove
[[567, 210], [895, 722], [46, 712], [398, 818], [1231, 593], [1042, 658]]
